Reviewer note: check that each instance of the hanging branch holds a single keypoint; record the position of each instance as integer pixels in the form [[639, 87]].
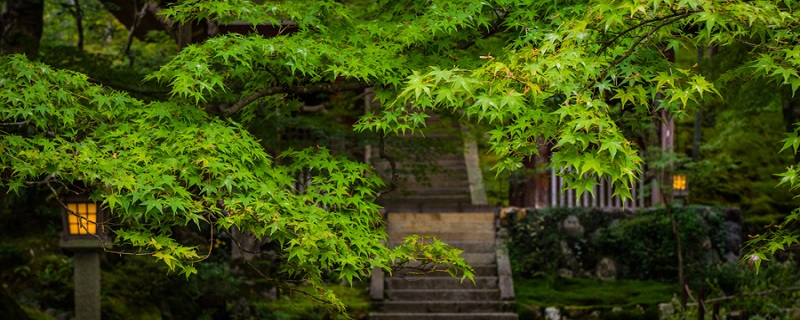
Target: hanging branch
[[643, 23], [314, 88], [633, 48]]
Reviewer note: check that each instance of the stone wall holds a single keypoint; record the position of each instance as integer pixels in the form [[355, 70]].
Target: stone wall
[[585, 242]]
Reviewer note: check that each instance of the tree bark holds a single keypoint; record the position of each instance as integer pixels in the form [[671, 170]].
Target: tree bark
[[522, 186], [531, 188], [78, 14], [21, 27]]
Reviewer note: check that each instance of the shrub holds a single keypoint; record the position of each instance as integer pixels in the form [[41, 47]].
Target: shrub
[[641, 243]]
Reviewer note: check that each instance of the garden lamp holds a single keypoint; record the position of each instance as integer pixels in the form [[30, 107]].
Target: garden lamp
[[679, 185], [82, 220], [83, 235]]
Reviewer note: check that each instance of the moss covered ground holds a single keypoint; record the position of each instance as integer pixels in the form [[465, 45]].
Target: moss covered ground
[[300, 307], [561, 292]]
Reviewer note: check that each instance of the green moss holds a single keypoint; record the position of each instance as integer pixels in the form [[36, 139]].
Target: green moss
[[35, 314], [300, 307], [591, 293], [115, 308]]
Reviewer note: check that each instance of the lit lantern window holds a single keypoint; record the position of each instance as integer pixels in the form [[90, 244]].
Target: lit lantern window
[[679, 182], [82, 218]]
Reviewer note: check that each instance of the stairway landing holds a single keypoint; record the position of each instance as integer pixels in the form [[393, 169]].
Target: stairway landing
[[436, 295]]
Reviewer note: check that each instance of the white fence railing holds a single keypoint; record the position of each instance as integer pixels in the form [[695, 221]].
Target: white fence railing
[[602, 198]]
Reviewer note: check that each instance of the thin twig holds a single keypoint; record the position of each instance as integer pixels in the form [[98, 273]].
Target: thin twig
[[83, 222], [632, 49], [610, 42], [120, 87], [760, 293], [314, 88], [20, 123]]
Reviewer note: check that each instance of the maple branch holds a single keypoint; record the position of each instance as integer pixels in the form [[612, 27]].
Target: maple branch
[[121, 87], [19, 123], [314, 88], [619, 35], [760, 293], [633, 48]]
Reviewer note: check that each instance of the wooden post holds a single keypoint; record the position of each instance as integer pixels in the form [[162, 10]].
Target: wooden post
[[715, 312], [701, 304], [684, 295]]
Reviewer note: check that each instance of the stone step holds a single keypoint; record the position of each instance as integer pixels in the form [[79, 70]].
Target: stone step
[[402, 207], [479, 259], [429, 203], [466, 246], [474, 259], [425, 226], [449, 235], [442, 294], [446, 177], [432, 194], [443, 316], [398, 206], [481, 306], [416, 282], [429, 200], [488, 270], [439, 216]]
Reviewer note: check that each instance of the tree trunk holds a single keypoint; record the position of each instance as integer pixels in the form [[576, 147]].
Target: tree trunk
[[678, 250], [78, 14], [531, 188], [21, 27], [522, 185]]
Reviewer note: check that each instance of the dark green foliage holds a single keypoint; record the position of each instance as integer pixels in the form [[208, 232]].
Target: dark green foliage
[[53, 282], [10, 308], [581, 75], [534, 239], [641, 243], [11, 255], [631, 315], [139, 287], [735, 167]]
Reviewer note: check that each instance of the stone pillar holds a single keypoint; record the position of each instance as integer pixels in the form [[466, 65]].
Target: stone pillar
[[86, 261], [87, 285]]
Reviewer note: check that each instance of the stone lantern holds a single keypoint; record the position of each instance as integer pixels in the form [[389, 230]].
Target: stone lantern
[[84, 236]]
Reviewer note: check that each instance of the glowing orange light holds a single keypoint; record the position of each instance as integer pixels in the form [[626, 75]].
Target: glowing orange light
[[82, 218], [679, 182]]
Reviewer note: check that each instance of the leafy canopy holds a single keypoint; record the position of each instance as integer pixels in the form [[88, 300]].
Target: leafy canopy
[[570, 74]]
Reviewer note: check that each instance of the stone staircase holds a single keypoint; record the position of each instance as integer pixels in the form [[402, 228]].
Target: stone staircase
[[407, 296], [452, 179]]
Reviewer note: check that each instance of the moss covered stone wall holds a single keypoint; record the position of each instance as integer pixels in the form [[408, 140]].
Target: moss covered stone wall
[[621, 244]]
